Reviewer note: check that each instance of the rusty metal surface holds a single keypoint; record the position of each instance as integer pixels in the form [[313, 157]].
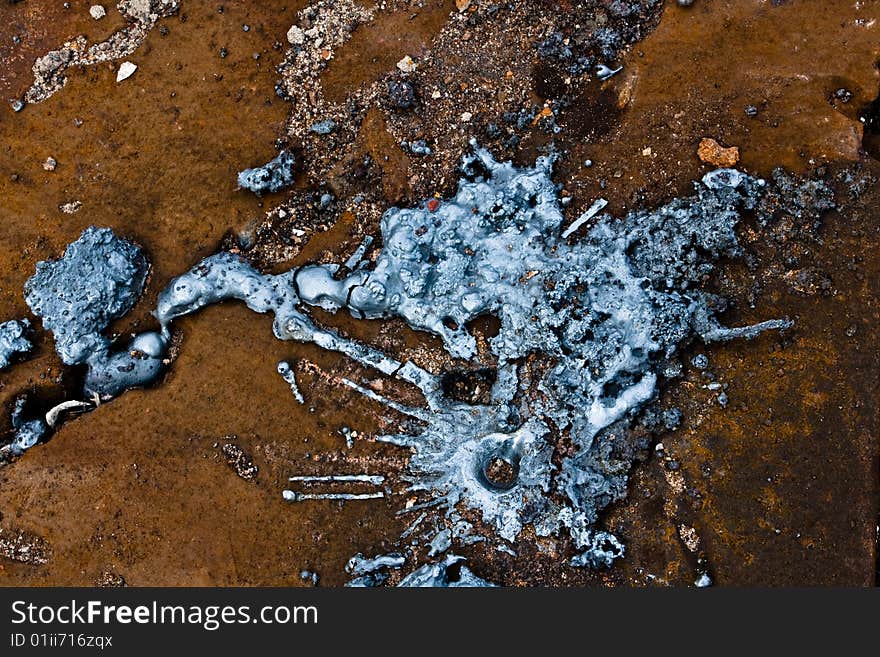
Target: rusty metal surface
[[780, 487]]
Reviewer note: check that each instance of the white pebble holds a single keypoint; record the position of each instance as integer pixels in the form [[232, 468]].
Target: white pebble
[[407, 65], [98, 12], [125, 71]]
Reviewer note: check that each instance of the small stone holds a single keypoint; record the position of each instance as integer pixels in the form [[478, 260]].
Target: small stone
[[462, 5], [17, 105], [273, 176], [295, 36], [245, 28], [711, 152], [126, 70], [407, 65], [223, 52], [466, 117], [50, 164], [685, 3], [704, 580], [751, 111], [324, 127], [98, 12]]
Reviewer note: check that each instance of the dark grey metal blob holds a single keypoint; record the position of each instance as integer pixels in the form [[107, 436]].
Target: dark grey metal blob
[[272, 177], [13, 340]]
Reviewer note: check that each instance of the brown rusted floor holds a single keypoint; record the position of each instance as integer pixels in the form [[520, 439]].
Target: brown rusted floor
[[781, 486]]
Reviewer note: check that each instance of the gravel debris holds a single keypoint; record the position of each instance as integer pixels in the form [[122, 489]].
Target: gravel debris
[[407, 65], [241, 463], [50, 70], [23, 547]]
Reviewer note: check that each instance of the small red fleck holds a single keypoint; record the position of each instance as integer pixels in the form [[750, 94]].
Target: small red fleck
[[433, 204]]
